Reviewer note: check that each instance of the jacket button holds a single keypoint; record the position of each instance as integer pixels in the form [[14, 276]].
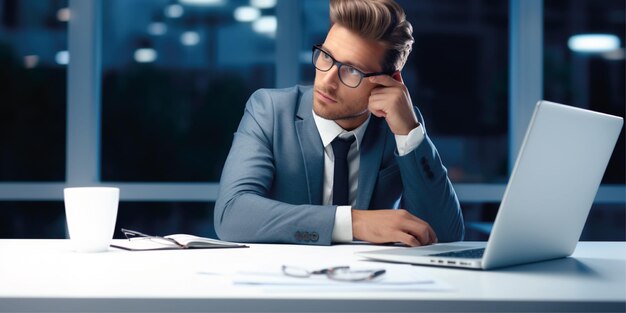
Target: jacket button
[[314, 236], [298, 236]]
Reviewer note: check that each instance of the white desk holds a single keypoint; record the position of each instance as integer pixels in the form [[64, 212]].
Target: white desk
[[44, 275]]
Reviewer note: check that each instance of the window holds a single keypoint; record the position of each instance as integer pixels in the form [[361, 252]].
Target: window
[[457, 75], [580, 76], [33, 61], [175, 80]]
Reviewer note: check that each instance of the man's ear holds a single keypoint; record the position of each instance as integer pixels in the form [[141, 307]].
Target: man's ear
[[397, 76]]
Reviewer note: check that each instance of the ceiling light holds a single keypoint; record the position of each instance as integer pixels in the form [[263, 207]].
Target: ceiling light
[[593, 43], [265, 25], [62, 57], [247, 14], [31, 61], [174, 11], [263, 4], [145, 55], [202, 2], [190, 38], [63, 14], [157, 28]]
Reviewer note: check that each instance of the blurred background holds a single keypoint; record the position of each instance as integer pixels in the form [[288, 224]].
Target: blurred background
[[146, 95]]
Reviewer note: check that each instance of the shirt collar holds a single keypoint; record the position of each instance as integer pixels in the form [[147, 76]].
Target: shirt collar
[[329, 130]]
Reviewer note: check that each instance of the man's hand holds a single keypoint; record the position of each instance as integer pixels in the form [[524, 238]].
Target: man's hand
[[382, 226], [392, 101]]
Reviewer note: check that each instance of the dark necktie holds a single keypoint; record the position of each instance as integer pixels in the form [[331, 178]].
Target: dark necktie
[[341, 186]]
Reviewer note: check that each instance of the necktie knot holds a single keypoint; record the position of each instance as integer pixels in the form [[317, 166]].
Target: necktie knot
[[341, 146], [341, 184]]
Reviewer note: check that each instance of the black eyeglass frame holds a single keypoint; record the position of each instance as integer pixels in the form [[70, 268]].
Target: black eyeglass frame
[[340, 64]]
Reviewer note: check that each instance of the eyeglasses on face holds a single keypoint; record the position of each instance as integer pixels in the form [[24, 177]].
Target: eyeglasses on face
[[339, 273], [348, 74]]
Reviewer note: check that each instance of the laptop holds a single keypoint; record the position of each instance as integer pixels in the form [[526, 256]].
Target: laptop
[[546, 202]]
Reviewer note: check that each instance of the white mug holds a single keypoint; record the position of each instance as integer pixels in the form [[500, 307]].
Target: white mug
[[91, 213]]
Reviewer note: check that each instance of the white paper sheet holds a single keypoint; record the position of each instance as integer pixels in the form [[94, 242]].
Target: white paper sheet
[[397, 277]]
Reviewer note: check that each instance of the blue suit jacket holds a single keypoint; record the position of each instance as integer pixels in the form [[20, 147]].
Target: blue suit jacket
[[271, 185]]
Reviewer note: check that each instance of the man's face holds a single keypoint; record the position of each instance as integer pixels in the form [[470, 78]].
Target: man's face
[[333, 100]]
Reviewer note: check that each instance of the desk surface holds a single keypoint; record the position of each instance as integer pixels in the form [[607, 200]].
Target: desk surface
[[45, 275]]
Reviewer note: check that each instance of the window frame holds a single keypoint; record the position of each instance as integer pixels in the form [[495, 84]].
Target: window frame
[[83, 106]]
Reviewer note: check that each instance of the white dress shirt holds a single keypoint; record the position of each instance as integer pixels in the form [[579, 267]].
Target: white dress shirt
[[329, 130]]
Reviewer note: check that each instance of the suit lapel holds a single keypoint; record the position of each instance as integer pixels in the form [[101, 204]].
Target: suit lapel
[[372, 148], [311, 148]]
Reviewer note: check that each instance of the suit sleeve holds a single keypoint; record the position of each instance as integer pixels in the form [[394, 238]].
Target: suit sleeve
[[428, 192], [244, 212]]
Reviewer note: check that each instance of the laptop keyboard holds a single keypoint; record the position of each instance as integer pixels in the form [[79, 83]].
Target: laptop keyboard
[[466, 254]]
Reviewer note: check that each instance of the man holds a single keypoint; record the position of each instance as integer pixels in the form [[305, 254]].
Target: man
[[282, 181]]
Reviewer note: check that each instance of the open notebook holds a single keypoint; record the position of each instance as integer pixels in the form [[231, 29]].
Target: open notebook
[[137, 241]]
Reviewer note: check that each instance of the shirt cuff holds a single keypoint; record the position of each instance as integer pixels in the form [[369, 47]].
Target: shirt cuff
[[342, 230], [408, 143]]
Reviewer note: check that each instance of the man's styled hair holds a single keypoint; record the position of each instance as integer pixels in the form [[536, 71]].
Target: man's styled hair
[[379, 20]]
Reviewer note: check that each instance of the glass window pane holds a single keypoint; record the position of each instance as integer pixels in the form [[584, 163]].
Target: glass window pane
[[33, 68], [46, 219], [166, 218], [32, 219], [175, 79], [592, 80], [605, 222], [457, 74]]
